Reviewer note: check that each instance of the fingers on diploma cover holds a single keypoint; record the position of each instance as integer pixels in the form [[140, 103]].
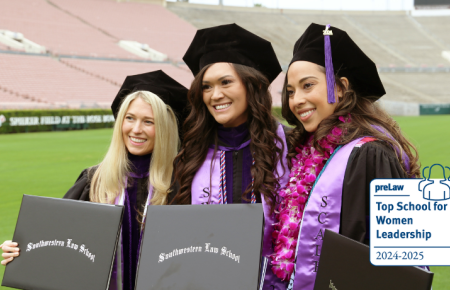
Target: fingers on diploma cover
[[64, 244], [201, 247], [345, 264]]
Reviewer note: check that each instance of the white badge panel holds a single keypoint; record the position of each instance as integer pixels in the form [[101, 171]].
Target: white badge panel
[[409, 222]]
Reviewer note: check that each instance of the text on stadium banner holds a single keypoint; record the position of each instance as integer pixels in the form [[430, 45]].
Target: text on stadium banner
[[56, 120]]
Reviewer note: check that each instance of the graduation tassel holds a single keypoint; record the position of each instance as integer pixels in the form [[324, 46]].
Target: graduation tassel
[[329, 65]]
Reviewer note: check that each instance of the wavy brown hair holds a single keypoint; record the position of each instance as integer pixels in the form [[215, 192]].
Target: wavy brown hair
[[367, 119], [200, 132]]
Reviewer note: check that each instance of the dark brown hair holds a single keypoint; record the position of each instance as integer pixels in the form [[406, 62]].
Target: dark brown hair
[[200, 132], [367, 119]]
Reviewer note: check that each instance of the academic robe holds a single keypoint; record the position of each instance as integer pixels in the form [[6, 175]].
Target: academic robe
[[370, 161], [131, 229], [373, 159], [238, 161]]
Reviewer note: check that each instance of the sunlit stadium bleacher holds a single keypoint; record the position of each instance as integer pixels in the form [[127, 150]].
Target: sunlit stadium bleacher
[[78, 60]]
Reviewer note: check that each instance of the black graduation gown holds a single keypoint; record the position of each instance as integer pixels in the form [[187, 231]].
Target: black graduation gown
[[80, 191], [372, 160]]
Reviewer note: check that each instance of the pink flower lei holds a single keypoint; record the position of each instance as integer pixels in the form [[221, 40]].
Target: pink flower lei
[[307, 165]]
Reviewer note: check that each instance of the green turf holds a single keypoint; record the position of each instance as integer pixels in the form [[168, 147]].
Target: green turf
[[44, 164], [429, 134], [47, 164]]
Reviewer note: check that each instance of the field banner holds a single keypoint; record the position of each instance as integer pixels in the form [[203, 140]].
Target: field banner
[[434, 109], [54, 120], [394, 108]]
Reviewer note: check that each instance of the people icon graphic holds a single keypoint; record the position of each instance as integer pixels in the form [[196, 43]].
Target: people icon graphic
[[435, 189]]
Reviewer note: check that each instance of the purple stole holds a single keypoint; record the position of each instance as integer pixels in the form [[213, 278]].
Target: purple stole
[[118, 265], [205, 190], [322, 211]]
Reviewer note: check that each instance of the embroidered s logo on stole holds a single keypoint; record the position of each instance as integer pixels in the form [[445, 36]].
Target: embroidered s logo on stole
[[327, 32]]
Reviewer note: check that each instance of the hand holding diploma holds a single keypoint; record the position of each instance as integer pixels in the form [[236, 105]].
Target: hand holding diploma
[[10, 251]]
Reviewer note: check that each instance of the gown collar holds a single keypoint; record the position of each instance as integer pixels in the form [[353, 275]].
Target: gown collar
[[140, 165], [234, 136]]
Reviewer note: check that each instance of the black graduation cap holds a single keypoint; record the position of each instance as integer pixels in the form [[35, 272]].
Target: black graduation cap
[[169, 90], [348, 60], [232, 43]]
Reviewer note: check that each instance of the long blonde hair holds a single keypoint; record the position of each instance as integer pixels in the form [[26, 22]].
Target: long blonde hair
[[108, 181]]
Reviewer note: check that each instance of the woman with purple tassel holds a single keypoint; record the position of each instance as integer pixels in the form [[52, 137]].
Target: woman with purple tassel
[[233, 149], [147, 109], [342, 140]]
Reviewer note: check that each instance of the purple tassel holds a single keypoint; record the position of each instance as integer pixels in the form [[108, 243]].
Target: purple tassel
[[329, 67]]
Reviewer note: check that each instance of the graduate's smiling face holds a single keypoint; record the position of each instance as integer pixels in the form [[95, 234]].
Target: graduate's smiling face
[[225, 95], [307, 91], [138, 128]]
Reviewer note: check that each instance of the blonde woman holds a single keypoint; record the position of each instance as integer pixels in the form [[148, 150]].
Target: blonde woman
[[137, 169]]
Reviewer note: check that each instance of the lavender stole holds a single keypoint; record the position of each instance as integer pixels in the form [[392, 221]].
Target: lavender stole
[[205, 190], [322, 211], [118, 269]]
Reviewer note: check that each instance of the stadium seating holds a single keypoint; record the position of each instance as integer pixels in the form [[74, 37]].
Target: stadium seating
[[85, 67], [57, 30], [7, 96], [276, 89], [48, 81], [10, 99], [390, 39], [146, 23], [428, 87], [3, 47], [116, 71], [401, 35], [437, 28]]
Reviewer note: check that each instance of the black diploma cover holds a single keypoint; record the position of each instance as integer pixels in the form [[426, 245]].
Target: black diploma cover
[[345, 264], [64, 244], [201, 247]]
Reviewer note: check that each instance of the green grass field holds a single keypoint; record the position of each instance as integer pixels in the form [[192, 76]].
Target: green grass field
[[47, 164]]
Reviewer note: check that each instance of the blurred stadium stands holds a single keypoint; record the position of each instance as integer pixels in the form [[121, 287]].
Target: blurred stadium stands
[[115, 71], [42, 79], [146, 23], [84, 66], [59, 32]]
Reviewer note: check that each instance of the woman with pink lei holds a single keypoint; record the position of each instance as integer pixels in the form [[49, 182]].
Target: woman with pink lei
[[342, 140]]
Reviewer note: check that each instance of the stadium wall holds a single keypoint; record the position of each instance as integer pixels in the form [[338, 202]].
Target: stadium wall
[[414, 109], [24, 121]]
